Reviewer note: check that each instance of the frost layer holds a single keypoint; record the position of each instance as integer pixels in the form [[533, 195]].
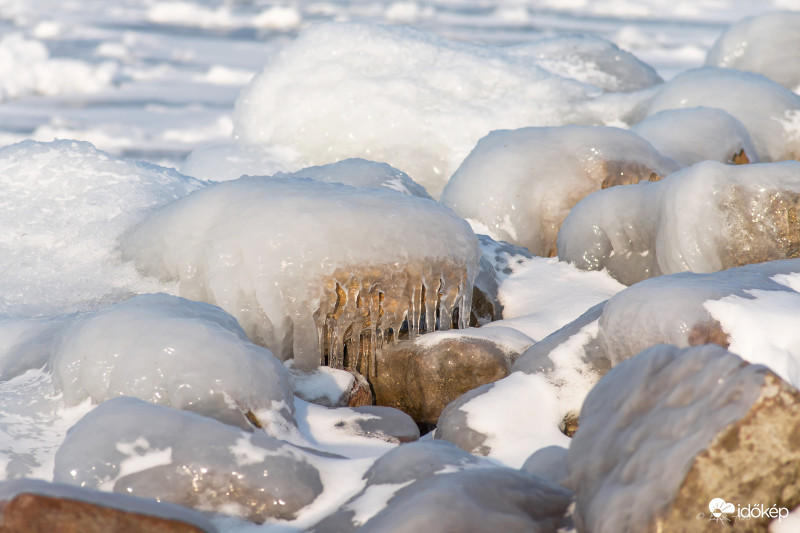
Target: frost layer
[[63, 206], [173, 352], [768, 44], [521, 184], [308, 267], [702, 219], [770, 112], [642, 426], [133, 447], [413, 100], [698, 134]]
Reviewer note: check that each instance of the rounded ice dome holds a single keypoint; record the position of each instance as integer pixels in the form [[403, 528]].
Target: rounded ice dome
[[520, 184], [768, 44], [307, 267]]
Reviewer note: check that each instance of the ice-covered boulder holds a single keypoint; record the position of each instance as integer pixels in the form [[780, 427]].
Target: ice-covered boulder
[[63, 206], [309, 268], [170, 351], [698, 134], [520, 184], [129, 446], [704, 218], [667, 433], [380, 422], [412, 99], [768, 44], [769, 111]]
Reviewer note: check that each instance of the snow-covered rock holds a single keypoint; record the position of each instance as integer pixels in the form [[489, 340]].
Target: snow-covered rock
[[698, 134], [768, 44], [666, 433], [134, 447], [307, 267], [704, 218], [769, 111], [170, 351], [520, 184]]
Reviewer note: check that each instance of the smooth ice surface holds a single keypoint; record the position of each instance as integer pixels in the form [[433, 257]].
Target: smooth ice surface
[[412, 99], [697, 134], [63, 206], [298, 262], [133, 447], [521, 184], [768, 44], [644, 423], [769, 111], [704, 218], [169, 351]]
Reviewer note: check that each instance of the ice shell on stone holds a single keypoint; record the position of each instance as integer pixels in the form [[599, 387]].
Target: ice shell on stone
[[169, 351], [521, 184], [768, 110], [768, 44], [704, 218], [301, 264], [130, 446]]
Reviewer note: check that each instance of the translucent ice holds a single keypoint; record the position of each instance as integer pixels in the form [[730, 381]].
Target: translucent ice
[[704, 218], [521, 184], [768, 110], [698, 134], [63, 206], [133, 447], [314, 270], [768, 44], [412, 99], [169, 351]]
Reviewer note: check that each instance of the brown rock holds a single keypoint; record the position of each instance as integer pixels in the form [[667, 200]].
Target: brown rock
[[421, 380], [708, 332], [360, 394]]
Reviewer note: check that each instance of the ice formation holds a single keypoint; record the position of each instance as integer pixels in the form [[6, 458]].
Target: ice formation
[[643, 425], [704, 218], [768, 110], [134, 447], [768, 44], [698, 134], [520, 184], [412, 99], [63, 206], [321, 272], [170, 351]]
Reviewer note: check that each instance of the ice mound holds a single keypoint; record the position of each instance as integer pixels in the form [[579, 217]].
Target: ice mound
[[321, 272], [170, 351], [134, 447], [412, 99], [698, 134], [520, 184], [666, 432], [704, 218], [63, 206], [768, 44], [27, 68], [229, 161], [768, 111]]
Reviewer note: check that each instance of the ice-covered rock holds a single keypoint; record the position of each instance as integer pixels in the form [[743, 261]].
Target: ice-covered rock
[[412, 99], [704, 218], [698, 134], [35, 506], [374, 421], [134, 447], [63, 206], [769, 111], [768, 44], [666, 433], [170, 351], [520, 184], [548, 463], [314, 270]]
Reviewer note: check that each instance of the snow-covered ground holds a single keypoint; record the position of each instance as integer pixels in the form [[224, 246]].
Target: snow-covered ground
[[150, 102]]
